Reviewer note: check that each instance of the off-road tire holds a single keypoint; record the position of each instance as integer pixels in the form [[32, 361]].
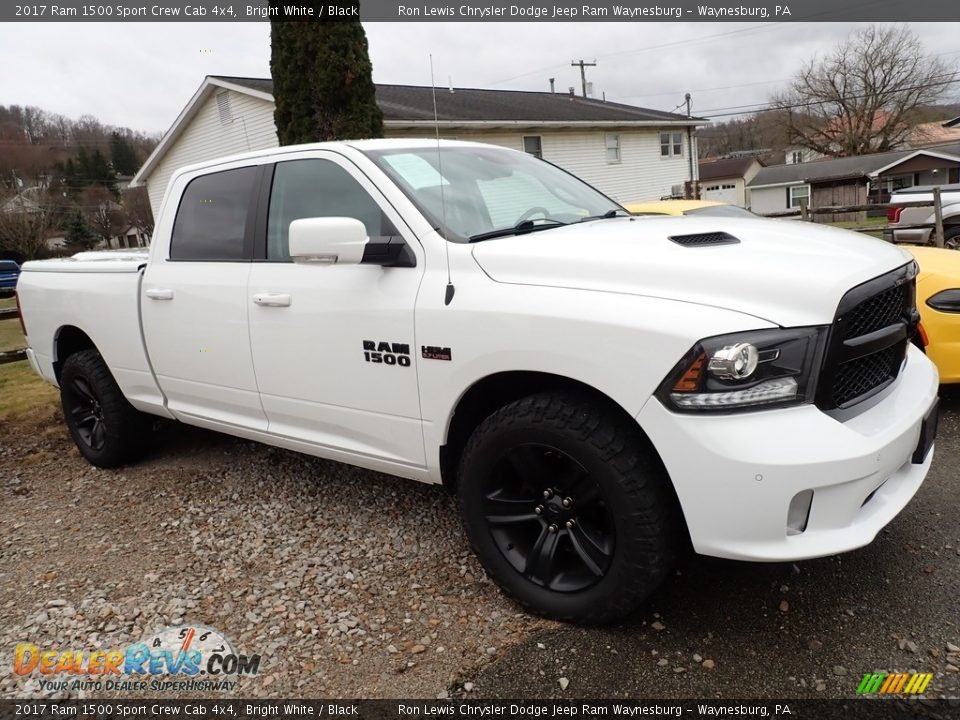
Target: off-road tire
[[85, 382], [631, 479]]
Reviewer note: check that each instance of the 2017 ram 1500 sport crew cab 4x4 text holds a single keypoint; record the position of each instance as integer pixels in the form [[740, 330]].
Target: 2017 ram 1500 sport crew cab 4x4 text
[[595, 387]]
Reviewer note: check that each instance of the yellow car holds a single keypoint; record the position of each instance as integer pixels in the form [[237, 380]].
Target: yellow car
[[687, 207], [938, 300]]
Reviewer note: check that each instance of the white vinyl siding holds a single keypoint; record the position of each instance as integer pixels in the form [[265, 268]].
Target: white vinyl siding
[[767, 200], [211, 134], [640, 174]]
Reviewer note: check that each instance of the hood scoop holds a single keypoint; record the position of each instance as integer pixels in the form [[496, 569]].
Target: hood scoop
[[704, 239]]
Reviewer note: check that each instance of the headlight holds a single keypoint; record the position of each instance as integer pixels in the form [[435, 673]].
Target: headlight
[[745, 370]]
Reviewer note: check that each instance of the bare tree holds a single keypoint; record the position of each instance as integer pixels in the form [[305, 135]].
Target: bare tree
[[25, 224], [102, 212], [860, 98], [136, 204]]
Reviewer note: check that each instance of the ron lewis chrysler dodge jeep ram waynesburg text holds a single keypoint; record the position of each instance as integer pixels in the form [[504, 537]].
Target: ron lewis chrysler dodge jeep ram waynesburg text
[[595, 387]]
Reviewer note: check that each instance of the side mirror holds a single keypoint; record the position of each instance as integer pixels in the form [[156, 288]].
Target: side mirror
[[327, 240]]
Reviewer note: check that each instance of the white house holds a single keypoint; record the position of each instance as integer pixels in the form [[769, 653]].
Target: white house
[[630, 153]]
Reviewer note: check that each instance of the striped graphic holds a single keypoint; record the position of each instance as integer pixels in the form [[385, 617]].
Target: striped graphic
[[894, 683]]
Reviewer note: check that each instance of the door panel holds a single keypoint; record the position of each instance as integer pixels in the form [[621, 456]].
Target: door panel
[[334, 360], [198, 340], [195, 305]]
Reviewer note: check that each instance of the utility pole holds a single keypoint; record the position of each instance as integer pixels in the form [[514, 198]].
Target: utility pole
[[694, 184], [583, 73]]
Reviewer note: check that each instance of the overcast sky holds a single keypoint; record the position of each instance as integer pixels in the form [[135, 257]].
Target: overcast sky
[[141, 75]]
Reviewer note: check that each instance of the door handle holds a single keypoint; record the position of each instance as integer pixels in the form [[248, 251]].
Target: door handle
[[159, 293], [272, 299]]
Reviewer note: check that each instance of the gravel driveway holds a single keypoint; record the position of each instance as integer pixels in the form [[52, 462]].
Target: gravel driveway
[[347, 582], [354, 584]]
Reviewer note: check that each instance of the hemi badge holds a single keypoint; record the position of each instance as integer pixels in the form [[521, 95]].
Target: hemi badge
[[432, 352]]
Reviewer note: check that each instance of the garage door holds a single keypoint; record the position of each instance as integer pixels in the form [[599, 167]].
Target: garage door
[[725, 192]]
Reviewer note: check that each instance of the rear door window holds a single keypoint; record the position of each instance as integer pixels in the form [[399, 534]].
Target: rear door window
[[211, 221]]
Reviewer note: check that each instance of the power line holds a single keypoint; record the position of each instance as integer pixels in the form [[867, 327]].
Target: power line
[[760, 107]]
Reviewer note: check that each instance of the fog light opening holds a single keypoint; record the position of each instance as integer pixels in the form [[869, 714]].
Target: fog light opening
[[799, 512]]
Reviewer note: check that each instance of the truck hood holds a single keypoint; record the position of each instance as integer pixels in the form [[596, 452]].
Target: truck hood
[[786, 272]]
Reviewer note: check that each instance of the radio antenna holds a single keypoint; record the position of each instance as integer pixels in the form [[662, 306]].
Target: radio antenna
[[448, 295]]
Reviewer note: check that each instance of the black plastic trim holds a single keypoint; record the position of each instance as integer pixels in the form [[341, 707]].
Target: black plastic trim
[[841, 349], [710, 239], [948, 304]]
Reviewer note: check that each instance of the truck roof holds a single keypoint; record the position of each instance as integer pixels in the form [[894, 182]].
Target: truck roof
[[372, 144]]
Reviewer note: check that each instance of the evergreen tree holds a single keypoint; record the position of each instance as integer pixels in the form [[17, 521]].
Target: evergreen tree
[[101, 173], [122, 155], [322, 79], [77, 231]]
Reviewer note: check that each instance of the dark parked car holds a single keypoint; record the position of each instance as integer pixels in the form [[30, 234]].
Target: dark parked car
[[9, 272]]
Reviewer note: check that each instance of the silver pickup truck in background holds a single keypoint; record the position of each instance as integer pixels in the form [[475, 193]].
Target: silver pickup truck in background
[[902, 221]]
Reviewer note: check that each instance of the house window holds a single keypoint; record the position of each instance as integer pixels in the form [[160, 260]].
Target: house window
[[898, 182], [796, 194], [796, 157], [533, 145], [671, 144], [613, 147]]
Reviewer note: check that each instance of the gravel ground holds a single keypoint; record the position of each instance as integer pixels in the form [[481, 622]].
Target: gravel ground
[[347, 582]]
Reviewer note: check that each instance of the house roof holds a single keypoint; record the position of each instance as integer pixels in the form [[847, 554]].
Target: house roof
[[845, 168], [404, 103], [726, 167], [933, 133], [412, 106]]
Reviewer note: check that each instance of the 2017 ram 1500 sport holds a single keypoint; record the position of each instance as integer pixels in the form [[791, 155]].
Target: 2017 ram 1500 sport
[[597, 388]]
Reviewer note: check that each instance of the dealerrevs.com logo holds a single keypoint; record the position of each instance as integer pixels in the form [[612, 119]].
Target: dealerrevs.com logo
[[188, 657]]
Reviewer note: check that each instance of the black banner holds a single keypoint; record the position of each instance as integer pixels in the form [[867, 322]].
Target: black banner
[[260, 709], [483, 11]]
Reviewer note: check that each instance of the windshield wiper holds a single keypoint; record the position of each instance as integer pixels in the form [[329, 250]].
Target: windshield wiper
[[521, 228], [606, 216]]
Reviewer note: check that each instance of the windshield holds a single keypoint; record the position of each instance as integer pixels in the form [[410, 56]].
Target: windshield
[[721, 211], [483, 190]]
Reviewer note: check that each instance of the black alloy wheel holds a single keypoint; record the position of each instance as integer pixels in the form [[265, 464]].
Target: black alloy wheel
[[548, 518]]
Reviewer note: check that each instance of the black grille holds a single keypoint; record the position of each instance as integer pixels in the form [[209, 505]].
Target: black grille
[[876, 313], [874, 323], [714, 238], [861, 376]]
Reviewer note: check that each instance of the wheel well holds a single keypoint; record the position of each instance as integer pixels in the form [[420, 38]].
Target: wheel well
[[69, 340], [493, 392]]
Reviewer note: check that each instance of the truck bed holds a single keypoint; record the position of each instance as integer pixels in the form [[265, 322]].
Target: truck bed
[[100, 293]]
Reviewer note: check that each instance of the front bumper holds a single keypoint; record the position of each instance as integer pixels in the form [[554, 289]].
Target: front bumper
[[735, 475]]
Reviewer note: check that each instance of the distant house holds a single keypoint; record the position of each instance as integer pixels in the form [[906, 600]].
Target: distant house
[[628, 152], [851, 180], [725, 180], [794, 155], [933, 133], [131, 236]]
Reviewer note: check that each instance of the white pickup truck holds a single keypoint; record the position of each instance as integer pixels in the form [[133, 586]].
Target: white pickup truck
[[600, 390], [903, 221]]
